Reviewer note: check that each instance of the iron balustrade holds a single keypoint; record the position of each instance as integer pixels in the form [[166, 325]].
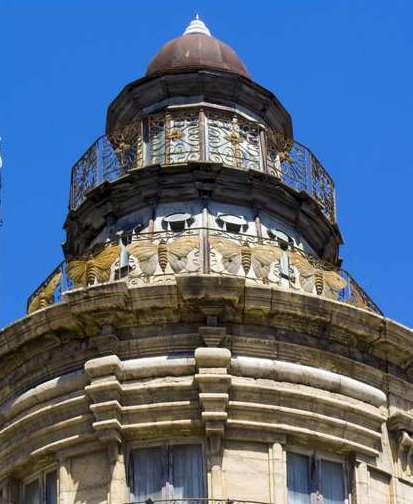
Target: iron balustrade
[[210, 135], [148, 258], [199, 500]]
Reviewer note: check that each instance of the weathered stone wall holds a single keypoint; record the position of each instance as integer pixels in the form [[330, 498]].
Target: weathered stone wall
[[247, 372]]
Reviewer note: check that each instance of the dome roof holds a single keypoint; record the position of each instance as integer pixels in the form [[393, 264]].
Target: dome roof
[[196, 49]]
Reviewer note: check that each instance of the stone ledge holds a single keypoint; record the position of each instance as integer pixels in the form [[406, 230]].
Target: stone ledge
[[195, 297]]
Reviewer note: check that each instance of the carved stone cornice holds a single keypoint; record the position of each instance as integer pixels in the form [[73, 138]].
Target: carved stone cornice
[[192, 298]]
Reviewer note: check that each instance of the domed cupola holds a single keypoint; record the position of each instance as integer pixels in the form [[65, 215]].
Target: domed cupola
[[196, 49], [196, 68]]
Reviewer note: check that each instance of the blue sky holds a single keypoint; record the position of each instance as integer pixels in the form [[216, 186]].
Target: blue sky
[[343, 69]]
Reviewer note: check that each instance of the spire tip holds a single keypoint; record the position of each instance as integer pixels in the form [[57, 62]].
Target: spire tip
[[197, 26]]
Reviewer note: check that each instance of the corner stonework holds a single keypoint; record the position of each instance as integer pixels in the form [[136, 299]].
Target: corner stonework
[[104, 393], [214, 382]]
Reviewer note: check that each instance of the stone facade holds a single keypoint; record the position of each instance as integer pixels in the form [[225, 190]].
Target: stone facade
[[206, 344]]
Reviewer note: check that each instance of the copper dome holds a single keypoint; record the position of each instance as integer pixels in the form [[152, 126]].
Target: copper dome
[[196, 49]]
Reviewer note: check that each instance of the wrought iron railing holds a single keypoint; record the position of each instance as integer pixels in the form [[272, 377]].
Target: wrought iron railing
[[184, 135], [198, 500], [150, 258]]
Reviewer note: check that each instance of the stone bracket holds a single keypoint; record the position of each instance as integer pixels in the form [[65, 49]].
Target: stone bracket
[[104, 393], [213, 383]]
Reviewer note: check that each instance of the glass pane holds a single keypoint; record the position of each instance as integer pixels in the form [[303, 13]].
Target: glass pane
[[332, 482], [298, 479], [51, 488], [148, 473], [32, 493], [187, 472]]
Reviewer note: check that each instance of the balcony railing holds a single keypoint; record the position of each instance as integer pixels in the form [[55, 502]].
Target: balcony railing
[[150, 258], [184, 135], [200, 500]]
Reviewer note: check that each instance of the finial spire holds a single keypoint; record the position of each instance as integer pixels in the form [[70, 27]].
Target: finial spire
[[197, 26]]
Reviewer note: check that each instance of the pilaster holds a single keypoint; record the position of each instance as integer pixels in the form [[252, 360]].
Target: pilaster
[[118, 491], [361, 482]]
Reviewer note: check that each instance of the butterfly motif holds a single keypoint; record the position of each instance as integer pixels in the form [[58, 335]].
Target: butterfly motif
[[326, 283], [175, 253], [243, 255], [94, 268], [45, 296]]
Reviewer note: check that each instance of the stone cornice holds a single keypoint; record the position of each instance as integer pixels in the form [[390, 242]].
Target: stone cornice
[[191, 299], [219, 87]]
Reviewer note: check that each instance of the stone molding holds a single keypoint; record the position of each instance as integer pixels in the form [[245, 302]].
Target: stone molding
[[207, 391], [233, 299], [297, 373]]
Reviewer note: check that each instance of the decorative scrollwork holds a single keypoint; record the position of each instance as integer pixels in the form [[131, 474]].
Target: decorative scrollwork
[[233, 141], [122, 151], [177, 136], [183, 137], [174, 137], [84, 176], [157, 126], [323, 188], [294, 167]]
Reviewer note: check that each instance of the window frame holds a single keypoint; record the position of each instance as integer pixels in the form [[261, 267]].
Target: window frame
[[40, 476], [3, 491], [166, 444], [318, 456]]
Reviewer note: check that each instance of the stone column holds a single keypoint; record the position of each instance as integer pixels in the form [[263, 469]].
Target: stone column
[[278, 470]]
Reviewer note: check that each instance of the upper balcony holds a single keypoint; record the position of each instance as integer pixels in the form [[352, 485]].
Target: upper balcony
[[203, 134]]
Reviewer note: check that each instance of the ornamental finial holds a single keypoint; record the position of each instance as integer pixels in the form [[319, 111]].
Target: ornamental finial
[[197, 26]]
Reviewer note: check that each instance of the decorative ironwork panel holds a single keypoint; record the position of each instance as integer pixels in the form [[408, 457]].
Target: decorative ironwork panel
[[157, 140], [233, 141], [323, 188], [294, 167], [278, 150], [84, 176], [122, 151], [183, 137], [273, 161]]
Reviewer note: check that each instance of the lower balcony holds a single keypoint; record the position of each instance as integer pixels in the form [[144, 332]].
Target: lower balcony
[[153, 258]]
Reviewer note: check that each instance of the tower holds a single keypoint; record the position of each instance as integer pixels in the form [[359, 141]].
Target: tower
[[200, 339]]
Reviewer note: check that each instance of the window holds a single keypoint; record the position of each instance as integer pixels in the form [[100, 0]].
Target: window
[[309, 477], [166, 472], [3, 494], [177, 221], [42, 490], [232, 223]]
